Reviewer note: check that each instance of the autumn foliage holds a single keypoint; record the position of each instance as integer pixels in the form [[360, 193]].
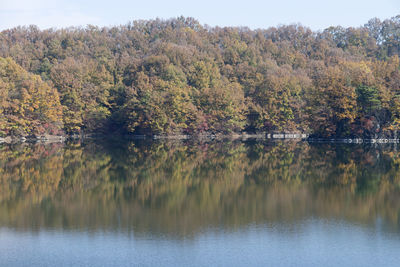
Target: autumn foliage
[[179, 77], [29, 106]]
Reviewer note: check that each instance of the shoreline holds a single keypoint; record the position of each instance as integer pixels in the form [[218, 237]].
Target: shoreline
[[204, 137]]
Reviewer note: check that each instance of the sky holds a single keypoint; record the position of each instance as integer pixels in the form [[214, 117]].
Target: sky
[[316, 14]]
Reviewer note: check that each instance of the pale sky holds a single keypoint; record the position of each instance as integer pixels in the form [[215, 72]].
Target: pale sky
[[316, 14]]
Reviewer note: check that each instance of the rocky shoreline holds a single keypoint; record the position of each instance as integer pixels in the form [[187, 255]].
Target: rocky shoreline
[[234, 136], [33, 139]]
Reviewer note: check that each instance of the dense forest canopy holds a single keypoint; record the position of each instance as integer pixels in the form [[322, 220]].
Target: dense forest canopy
[[179, 77]]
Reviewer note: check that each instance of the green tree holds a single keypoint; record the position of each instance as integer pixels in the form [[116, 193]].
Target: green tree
[[368, 99]]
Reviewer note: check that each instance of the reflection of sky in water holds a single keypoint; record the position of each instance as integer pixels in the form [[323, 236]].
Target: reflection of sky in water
[[308, 243]]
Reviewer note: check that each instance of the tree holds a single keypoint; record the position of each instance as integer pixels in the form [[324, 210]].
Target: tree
[[29, 106], [368, 99]]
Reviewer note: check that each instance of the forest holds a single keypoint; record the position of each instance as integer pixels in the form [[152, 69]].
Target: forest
[[176, 76]]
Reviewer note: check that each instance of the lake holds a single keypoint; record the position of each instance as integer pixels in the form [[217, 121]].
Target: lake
[[199, 203]]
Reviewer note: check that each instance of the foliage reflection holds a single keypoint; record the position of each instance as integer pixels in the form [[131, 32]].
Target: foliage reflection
[[181, 188]]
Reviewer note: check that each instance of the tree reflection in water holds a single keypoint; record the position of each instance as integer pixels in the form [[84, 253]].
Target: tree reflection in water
[[178, 188]]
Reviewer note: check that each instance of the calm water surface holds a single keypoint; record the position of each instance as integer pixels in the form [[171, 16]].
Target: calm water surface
[[109, 203]]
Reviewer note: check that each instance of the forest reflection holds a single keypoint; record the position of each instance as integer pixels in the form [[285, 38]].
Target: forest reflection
[[179, 189]]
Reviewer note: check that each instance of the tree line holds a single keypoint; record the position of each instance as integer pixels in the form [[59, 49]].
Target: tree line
[[177, 76]]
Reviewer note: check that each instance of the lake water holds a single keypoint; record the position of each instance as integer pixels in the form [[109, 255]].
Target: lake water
[[220, 203]]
